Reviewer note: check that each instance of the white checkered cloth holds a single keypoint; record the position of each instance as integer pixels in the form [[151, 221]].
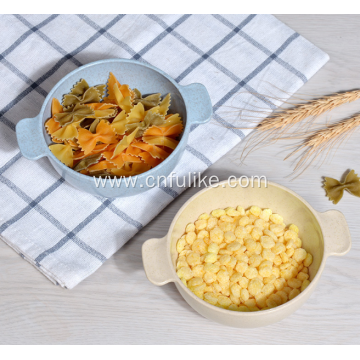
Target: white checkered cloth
[[68, 234]]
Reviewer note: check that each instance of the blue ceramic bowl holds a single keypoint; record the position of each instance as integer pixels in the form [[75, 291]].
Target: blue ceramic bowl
[[192, 102]]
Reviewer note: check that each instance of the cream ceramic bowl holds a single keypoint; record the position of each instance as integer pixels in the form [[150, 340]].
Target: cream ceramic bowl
[[323, 235]]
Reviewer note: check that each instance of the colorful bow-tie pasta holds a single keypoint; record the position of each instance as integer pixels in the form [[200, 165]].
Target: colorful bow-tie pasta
[[116, 133]]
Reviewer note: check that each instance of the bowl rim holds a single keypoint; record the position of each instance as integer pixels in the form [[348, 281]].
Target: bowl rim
[[141, 176], [282, 307]]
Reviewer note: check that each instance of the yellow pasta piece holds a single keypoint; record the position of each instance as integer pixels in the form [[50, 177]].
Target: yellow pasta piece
[[64, 153], [119, 123], [163, 107], [101, 106], [67, 132], [124, 102], [161, 141], [124, 143], [172, 119], [136, 114]]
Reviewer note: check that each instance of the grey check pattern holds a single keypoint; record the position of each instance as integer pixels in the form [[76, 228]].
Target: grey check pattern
[[68, 234]]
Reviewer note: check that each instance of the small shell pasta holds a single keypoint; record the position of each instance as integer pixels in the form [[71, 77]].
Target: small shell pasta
[[243, 260]]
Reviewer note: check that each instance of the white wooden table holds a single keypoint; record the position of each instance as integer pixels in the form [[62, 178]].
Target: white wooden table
[[118, 305]]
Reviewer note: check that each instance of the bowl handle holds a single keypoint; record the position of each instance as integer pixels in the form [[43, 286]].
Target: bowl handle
[[336, 232], [198, 103], [156, 262], [30, 139]]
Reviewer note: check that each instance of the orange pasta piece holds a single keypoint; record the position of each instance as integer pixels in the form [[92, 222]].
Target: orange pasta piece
[[131, 158], [153, 150], [139, 168], [148, 159], [102, 110], [101, 165], [118, 161], [124, 89], [132, 150], [79, 154], [56, 107], [73, 143], [104, 133], [136, 169], [52, 125], [110, 86], [172, 130], [55, 140]]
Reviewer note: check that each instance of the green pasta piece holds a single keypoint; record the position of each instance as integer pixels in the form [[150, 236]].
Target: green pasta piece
[[88, 161], [149, 120], [335, 189], [94, 125], [149, 101], [78, 113]]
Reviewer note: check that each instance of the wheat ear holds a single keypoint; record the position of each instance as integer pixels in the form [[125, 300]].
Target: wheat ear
[[324, 139], [274, 127], [315, 108]]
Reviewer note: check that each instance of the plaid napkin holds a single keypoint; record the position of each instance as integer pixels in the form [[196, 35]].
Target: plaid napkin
[[68, 234]]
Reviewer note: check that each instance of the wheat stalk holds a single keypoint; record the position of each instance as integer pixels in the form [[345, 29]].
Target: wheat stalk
[[316, 107], [273, 128], [324, 139]]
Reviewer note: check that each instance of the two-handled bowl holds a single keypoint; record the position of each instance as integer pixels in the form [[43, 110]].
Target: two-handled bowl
[[192, 102], [323, 235]]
